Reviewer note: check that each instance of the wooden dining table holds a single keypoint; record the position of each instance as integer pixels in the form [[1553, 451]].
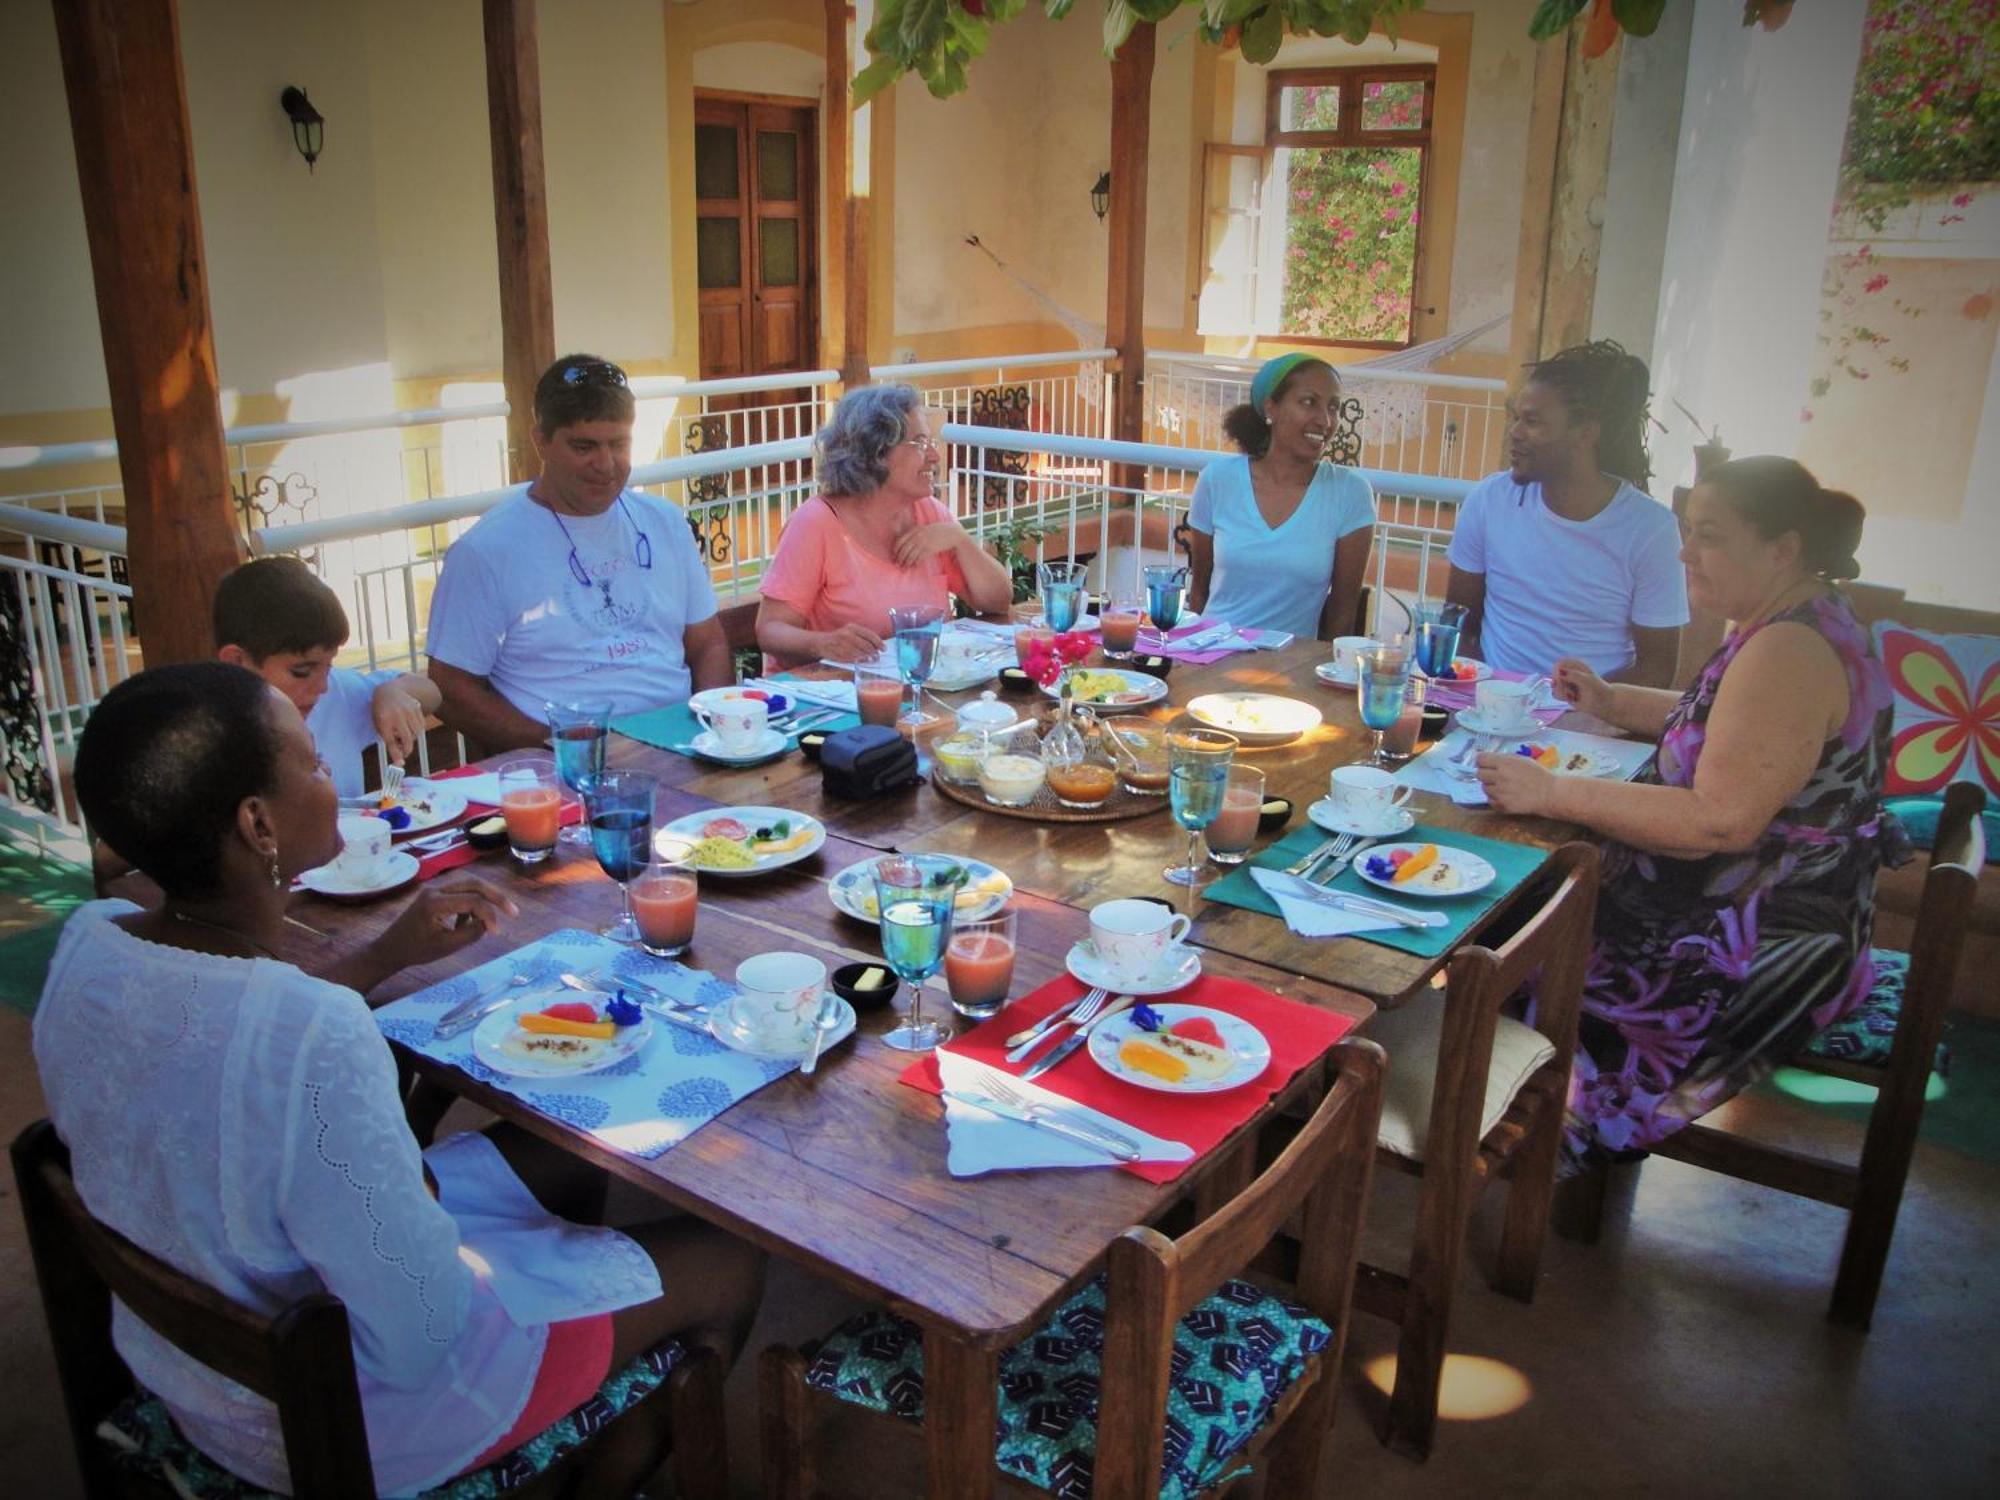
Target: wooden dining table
[[844, 1173]]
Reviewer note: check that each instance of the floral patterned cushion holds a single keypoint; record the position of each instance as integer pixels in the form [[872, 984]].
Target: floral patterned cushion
[[144, 1439], [1947, 722], [1865, 1034], [1234, 1357]]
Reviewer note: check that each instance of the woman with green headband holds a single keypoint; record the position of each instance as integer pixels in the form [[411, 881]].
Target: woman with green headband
[[1278, 538]]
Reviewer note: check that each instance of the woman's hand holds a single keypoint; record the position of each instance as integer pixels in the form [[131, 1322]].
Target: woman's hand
[[851, 643], [447, 915], [1515, 784], [399, 720], [928, 540], [1576, 683]]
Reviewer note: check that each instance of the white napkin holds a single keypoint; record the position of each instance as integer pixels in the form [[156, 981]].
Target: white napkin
[[827, 693], [1308, 917], [980, 1142], [483, 788]]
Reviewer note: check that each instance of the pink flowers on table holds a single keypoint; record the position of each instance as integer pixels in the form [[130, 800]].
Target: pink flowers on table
[[1045, 663]]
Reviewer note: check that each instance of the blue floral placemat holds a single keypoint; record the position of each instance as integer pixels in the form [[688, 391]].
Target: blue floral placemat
[[643, 1105]]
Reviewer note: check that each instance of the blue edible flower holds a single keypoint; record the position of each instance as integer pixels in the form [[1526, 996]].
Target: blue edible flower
[[1527, 750], [622, 1011], [1380, 867], [777, 703], [397, 818], [1147, 1019]]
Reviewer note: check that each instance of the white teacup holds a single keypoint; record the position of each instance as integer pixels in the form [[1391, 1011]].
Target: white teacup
[[1366, 797], [1132, 937], [778, 996], [364, 840], [737, 723], [1347, 650], [1505, 706]]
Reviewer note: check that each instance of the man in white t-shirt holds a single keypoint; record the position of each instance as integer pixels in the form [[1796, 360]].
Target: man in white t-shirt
[[573, 586], [1562, 554]]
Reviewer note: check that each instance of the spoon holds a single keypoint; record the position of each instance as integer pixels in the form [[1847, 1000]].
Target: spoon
[[827, 1019]]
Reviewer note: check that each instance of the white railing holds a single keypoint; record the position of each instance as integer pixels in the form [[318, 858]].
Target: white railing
[[1412, 422]]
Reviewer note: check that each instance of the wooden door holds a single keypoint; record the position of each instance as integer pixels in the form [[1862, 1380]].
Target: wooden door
[[756, 252]]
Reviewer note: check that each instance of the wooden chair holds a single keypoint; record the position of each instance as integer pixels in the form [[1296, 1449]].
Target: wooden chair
[[1161, 1299], [1473, 1094], [300, 1359], [1870, 1189]]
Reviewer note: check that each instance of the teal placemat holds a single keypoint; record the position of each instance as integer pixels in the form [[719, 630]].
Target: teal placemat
[[1513, 863], [675, 727]]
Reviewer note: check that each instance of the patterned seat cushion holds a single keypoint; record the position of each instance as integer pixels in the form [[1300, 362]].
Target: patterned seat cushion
[[1234, 1357], [144, 1439], [1865, 1034]]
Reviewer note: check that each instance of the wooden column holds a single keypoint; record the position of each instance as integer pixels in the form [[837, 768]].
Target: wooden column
[[520, 215], [135, 162], [844, 334], [1562, 199], [1125, 282]]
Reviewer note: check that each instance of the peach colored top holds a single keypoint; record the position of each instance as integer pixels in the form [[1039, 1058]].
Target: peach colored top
[[821, 571]]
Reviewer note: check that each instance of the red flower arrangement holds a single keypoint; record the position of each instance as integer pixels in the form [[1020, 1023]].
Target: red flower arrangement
[[1045, 663]]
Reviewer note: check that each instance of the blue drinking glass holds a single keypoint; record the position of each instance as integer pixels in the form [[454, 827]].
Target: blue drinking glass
[[914, 634], [1437, 629], [1166, 587], [1197, 779], [914, 898], [1061, 585], [620, 804], [1379, 689], [580, 732]]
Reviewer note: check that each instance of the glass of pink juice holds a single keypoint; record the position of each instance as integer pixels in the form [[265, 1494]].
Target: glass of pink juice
[[1119, 621], [1399, 740], [664, 904], [1029, 638], [878, 699], [531, 802], [979, 965], [1230, 835]]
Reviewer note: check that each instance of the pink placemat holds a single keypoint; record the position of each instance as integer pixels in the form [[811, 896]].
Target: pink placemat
[[1456, 696], [1297, 1034], [1150, 641]]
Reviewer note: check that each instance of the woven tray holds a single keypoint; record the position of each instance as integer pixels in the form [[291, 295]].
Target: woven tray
[[1120, 805]]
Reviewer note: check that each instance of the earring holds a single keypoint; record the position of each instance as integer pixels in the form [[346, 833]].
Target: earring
[[277, 880]]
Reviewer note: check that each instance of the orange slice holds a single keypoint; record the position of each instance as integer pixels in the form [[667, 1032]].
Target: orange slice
[[558, 1026], [1423, 859], [1143, 1057]]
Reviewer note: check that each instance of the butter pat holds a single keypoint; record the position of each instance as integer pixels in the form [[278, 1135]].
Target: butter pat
[[872, 979]]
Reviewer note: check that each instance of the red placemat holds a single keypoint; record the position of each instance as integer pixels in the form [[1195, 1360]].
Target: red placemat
[[429, 865], [1297, 1033]]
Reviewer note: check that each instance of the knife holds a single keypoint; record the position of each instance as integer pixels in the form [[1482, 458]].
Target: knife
[[1043, 1120], [1123, 1002], [1334, 866], [1382, 910], [469, 1013]]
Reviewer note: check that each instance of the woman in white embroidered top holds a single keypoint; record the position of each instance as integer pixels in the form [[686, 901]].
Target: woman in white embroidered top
[[1278, 539], [240, 1119]]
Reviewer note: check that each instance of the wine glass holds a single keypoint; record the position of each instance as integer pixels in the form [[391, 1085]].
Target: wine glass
[[1197, 777], [914, 895], [1166, 586], [1380, 687], [620, 804], [1061, 585], [916, 628], [579, 731], [1436, 633]]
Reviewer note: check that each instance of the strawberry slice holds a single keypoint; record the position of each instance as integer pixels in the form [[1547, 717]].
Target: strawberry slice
[[572, 1010], [724, 828], [1198, 1029]]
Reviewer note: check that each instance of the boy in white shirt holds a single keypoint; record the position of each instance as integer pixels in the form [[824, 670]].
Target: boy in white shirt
[[1563, 554], [276, 617]]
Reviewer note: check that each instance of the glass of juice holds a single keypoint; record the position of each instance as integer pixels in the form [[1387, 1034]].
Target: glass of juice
[[664, 902], [1230, 835], [979, 965], [1028, 639], [531, 802], [620, 804], [877, 698], [579, 731], [1120, 619], [1399, 740]]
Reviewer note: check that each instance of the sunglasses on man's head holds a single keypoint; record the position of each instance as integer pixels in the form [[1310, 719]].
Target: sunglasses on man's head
[[593, 372]]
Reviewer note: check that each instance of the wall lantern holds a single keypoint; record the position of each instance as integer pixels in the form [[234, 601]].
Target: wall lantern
[[1100, 196], [308, 124]]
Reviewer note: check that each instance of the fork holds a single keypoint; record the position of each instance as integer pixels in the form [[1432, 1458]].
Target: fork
[[1085, 1012], [392, 781], [1335, 848], [999, 1089]]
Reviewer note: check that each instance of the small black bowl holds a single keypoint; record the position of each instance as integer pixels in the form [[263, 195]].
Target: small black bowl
[[1435, 720], [1276, 814], [1152, 666], [1015, 680], [843, 985], [487, 833], [812, 742]]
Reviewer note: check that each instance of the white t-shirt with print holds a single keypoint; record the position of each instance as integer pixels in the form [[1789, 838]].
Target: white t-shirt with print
[[1556, 587], [509, 607], [342, 723]]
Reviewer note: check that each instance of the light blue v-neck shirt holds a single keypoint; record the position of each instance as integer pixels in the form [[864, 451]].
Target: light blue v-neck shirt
[[1275, 579]]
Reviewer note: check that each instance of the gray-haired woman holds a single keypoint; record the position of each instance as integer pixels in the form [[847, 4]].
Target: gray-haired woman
[[874, 537]]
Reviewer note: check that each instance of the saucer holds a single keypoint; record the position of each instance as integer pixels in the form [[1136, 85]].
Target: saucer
[[1322, 813], [770, 742], [727, 1028], [1176, 973], [1471, 719], [1327, 672], [394, 872]]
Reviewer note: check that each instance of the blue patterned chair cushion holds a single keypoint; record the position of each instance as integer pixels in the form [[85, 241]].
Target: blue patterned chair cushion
[[1234, 1357], [1865, 1034], [144, 1439]]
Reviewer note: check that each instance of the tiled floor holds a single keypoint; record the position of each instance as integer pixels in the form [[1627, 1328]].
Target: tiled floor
[[1686, 1354]]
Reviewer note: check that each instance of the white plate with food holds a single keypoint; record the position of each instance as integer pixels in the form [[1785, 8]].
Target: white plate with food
[[395, 871], [507, 1042], [708, 700], [735, 841], [986, 890], [1196, 1050], [1440, 870], [1465, 671], [1111, 690], [1568, 760], [1255, 718], [427, 803]]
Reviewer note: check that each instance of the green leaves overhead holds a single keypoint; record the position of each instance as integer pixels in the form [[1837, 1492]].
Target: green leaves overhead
[[1553, 17], [1639, 17]]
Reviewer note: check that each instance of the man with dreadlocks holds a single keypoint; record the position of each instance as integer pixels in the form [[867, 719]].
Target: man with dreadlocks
[[1563, 553]]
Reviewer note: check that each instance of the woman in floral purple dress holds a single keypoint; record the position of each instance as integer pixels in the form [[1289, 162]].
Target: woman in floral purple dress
[[1737, 900]]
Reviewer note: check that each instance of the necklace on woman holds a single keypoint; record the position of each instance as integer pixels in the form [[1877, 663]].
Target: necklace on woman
[[237, 933]]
